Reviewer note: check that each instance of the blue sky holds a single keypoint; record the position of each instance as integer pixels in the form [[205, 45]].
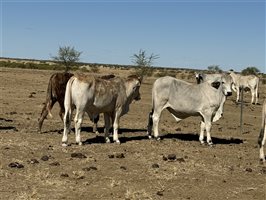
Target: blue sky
[[186, 34]]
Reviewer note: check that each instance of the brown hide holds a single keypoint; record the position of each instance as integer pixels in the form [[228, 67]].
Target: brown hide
[[55, 92]]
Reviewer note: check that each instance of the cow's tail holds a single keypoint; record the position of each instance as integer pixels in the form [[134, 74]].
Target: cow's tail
[[49, 97], [68, 95]]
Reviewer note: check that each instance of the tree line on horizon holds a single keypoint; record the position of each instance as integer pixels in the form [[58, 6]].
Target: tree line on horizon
[[69, 58]]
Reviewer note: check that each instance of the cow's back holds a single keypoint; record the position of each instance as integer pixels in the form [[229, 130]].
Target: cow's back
[[96, 94]]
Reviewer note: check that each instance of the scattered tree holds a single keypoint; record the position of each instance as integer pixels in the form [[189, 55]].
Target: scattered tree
[[67, 56], [250, 70], [144, 62], [214, 68]]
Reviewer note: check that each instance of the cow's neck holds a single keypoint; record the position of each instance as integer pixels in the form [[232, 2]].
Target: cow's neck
[[218, 93]]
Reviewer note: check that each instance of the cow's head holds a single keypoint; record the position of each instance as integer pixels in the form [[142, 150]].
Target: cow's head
[[198, 77], [132, 87], [226, 82]]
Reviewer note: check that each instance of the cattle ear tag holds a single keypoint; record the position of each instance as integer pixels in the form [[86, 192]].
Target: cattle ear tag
[[216, 84]]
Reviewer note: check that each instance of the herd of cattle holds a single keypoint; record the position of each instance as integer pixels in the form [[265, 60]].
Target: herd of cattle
[[112, 95]]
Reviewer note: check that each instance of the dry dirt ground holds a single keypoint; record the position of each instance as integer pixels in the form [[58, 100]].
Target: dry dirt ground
[[177, 167]]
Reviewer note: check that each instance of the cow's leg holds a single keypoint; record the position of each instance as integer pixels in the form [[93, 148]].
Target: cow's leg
[[106, 127], [252, 95], [44, 113], [62, 110], [256, 96], [78, 121], [208, 131], [95, 121], [202, 129], [156, 118], [262, 139], [150, 124], [115, 127], [208, 125], [67, 123], [237, 94], [61, 114], [41, 119], [94, 118]]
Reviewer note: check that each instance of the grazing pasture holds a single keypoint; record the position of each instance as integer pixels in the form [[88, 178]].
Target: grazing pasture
[[35, 166]]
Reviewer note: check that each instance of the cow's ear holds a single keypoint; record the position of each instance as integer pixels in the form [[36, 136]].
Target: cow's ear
[[216, 84]]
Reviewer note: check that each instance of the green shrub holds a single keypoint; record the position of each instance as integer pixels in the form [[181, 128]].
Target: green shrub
[[250, 71]]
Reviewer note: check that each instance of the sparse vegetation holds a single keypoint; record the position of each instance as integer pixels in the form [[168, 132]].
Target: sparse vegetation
[[32, 65], [67, 56], [144, 63], [94, 69], [165, 72], [214, 68]]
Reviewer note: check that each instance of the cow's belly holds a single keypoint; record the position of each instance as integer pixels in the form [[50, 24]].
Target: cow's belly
[[182, 113], [99, 108]]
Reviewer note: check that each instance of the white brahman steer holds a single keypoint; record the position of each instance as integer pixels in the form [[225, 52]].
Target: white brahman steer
[[94, 95], [262, 136], [249, 81], [184, 99]]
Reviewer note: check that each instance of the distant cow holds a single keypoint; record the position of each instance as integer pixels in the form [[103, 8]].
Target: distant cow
[[184, 99], [262, 136], [211, 78], [249, 81], [56, 93], [94, 95]]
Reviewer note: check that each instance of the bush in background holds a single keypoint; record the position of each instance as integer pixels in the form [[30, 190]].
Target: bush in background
[[250, 71]]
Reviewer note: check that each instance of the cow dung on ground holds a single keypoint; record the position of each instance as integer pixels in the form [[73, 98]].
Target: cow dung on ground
[[207, 173]]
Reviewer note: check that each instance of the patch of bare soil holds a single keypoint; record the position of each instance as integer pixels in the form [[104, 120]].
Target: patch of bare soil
[[36, 166]]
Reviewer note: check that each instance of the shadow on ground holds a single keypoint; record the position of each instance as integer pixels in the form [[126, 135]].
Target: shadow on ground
[[143, 136], [195, 137]]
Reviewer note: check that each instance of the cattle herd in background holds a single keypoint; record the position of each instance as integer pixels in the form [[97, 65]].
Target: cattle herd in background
[[112, 95]]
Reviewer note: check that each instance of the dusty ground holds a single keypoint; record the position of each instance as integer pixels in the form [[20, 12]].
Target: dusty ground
[[136, 169]]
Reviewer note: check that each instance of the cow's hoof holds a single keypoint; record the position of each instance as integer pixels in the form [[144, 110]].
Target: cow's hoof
[[209, 142], [211, 145], [97, 133], [157, 138], [262, 161], [117, 142], [149, 136], [64, 144], [79, 143], [107, 140], [202, 142]]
